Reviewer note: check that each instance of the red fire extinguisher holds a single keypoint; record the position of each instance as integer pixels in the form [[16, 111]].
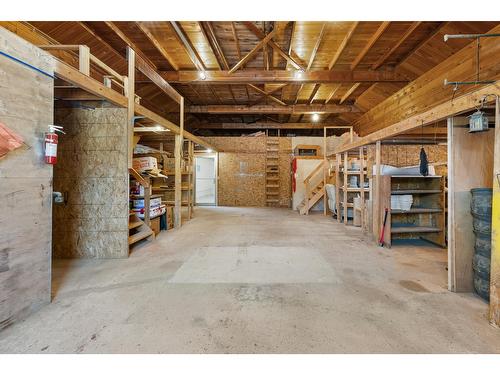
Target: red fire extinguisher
[[51, 139]]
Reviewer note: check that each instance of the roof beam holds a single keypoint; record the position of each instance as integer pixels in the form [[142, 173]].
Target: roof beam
[[349, 92], [262, 125], [272, 109], [343, 44], [143, 27], [283, 76], [287, 56], [401, 40], [370, 44], [250, 54], [188, 46], [236, 40], [209, 33]]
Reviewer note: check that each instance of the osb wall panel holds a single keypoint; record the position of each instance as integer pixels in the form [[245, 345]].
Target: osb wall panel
[[92, 173], [242, 170], [408, 155], [26, 102]]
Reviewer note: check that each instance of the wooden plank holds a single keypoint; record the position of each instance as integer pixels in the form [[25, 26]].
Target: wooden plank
[[130, 89], [440, 112], [261, 125], [84, 60], [370, 44], [256, 76], [188, 46], [267, 95], [250, 54], [157, 44], [344, 193], [400, 41], [262, 109], [470, 165], [343, 44], [495, 227], [179, 141], [349, 92], [376, 190]]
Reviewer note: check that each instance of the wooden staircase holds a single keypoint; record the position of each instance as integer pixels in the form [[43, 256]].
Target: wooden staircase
[[272, 171], [314, 191], [138, 230]]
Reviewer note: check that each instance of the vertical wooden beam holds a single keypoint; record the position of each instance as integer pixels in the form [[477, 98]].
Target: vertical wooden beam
[[346, 167], [84, 60], [338, 162], [376, 200], [190, 180], [495, 227], [147, 202], [451, 205], [179, 140], [362, 184], [325, 171], [130, 92]]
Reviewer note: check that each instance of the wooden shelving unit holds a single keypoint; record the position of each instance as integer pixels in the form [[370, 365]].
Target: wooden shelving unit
[[345, 192], [426, 217]]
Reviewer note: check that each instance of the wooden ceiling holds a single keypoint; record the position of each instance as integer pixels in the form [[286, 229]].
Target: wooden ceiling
[[289, 70]]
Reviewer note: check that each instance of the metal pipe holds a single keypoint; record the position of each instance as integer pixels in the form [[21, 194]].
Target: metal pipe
[[468, 36], [446, 82]]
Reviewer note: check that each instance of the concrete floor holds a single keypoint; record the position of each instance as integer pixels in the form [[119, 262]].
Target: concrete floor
[[257, 280]]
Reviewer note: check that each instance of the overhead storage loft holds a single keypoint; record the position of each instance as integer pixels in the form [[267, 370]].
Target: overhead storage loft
[[223, 186]]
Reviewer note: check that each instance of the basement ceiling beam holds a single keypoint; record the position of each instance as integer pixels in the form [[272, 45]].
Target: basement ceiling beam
[[143, 27], [262, 125], [282, 76], [384, 25], [343, 44], [250, 54], [270, 109], [188, 46]]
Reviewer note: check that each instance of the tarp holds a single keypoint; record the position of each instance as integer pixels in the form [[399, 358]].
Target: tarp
[[8, 140]]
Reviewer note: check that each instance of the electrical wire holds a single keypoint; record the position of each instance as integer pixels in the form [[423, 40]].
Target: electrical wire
[[27, 65]]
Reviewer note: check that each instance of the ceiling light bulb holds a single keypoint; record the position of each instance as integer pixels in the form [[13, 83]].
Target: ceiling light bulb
[[202, 75], [298, 74], [159, 127], [315, 117], [209, 150]]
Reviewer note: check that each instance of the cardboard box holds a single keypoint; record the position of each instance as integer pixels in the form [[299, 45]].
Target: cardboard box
[[145, 163]]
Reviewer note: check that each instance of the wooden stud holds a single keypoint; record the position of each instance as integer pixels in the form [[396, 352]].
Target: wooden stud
[[495, 227], [338, 163], [346, 167], [179, 141], [376, 188], [130, 88], [84, 60]]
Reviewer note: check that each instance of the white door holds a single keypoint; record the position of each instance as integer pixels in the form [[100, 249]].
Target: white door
[[206, 188]]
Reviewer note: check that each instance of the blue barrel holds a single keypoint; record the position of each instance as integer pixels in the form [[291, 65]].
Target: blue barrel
[[480, 208]]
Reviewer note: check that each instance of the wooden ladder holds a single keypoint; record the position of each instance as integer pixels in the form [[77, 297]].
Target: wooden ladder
[[272, 171]]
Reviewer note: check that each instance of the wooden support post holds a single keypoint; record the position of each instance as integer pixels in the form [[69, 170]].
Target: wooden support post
[[190, 180], [84, 60], [376, 200], [130, 91], [362, 184], [346, 167], [325, 171], [495, 227], [147, 202], [179, 141], [338, 161]]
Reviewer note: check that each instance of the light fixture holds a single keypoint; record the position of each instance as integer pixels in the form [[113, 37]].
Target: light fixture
[[209, 150], [298, 74], [315, 117], [202, 75], [159, 127]]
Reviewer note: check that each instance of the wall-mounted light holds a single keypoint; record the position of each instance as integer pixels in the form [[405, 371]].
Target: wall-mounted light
[[315, 117], [202, 75]]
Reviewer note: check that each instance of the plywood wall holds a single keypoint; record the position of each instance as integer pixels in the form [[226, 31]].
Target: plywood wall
[[26, 102], [92, 173], [242, 166]]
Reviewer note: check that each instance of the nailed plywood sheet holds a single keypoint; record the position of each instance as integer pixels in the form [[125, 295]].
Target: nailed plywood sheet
[[92, 174], [242, 166], [26, 103]]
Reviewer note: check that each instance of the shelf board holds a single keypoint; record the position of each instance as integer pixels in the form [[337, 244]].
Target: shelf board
[[142, 196], [416, 176], [355, 190], [416, 191], [415, 229], [417, 211]]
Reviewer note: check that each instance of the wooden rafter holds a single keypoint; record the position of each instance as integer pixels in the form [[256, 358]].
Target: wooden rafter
[[383, 26], [332, 93], [287, 56], [343, 44], [272, 109], [266, 94], [263, 125], [349, 92], [209, 33], [269, 92], [423, 42], [142, 26], [236, 40], [250, 54], [187, 45], [313, 94], [400, 41]]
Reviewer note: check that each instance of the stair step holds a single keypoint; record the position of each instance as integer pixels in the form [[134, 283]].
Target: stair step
[[272, 157], [135, 224], [139, 236]]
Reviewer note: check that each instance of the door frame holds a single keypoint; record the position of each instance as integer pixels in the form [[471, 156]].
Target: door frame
[[215, 156]]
